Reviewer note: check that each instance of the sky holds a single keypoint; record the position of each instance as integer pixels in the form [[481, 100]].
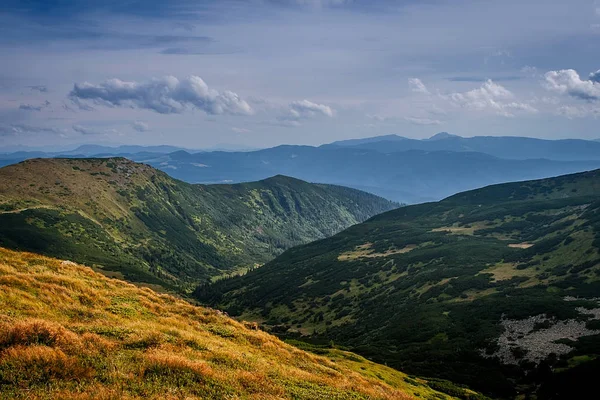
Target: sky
[[260, 73]]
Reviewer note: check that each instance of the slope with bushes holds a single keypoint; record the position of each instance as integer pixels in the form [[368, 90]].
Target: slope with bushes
[[139, 223], [496, 288], [67, 332]]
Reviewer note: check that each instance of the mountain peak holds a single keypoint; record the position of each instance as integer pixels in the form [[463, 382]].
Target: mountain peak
[[442, 136]]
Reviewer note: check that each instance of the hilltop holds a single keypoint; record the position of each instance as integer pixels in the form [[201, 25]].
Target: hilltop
[[67, 332], [496, 288], [133, 221]]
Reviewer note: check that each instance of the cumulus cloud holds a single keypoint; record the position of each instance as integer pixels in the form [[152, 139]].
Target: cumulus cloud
[[568, 81], [302, 110], [417, 86], [140, 126], [307, 109], [167, 95], [490, 97]]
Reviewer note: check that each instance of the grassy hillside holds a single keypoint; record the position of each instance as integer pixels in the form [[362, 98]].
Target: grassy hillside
[[145, 226], [496, 288], [67, 332]]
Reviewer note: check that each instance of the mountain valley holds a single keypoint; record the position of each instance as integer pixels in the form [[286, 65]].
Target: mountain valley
[[496, 288]]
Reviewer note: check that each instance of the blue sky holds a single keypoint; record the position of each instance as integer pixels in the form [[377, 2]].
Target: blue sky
[[263, 73]]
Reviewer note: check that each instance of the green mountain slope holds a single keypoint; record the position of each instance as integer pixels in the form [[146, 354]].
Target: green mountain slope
[[145, 226], [496, 288], [71, 334]]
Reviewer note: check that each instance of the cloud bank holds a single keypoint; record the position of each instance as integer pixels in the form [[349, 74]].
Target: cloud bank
[[167, 95]]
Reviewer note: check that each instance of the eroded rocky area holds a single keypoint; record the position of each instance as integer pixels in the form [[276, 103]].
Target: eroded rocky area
[[535, 338]]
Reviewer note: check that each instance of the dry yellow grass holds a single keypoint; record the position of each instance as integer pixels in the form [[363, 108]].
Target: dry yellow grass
[[70, 333]]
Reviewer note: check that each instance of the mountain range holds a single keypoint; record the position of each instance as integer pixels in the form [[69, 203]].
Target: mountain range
[[496, 288], [507, 147], [400, 169], [136, 222]]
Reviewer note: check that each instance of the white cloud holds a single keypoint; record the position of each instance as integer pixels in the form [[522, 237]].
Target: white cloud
[[490, 97], [568, 81], [140, 126], [167, 95], [417, 86], [302, 110], [423, 121], [307, 109], [240, 130]]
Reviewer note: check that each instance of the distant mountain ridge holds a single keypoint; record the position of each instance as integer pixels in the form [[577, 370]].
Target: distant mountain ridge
[[136, 221], [507, 147], [398, 168]]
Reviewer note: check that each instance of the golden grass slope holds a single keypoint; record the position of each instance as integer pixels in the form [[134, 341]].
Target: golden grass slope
[[67, 332]]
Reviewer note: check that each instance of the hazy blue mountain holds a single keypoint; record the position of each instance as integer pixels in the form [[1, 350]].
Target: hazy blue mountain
[[409, 177], [91, 149], [356, 142], [519, 148]]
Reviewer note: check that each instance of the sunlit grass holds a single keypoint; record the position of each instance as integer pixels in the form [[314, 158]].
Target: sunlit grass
[[70, 333]]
